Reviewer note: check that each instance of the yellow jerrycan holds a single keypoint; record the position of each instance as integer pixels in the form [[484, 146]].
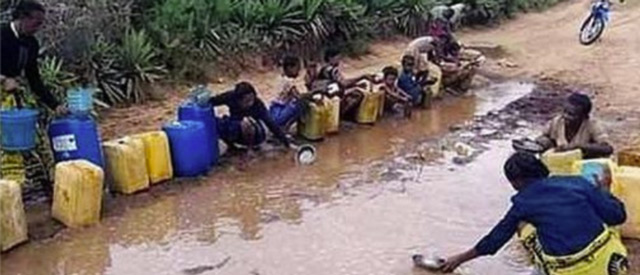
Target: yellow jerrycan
[[629, 157], [157, 156], [435, 72], [561, 163], [368, 111], [332, 103], [77, 195], [312, 124], [13, 221], [126, 165], [626, 187]]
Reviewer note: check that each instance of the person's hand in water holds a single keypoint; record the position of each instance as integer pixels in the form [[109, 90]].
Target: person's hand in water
[[451, 264]]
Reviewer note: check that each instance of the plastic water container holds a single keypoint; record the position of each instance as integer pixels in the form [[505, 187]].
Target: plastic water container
[[80, 101], [75, 138], [13, 220], [333, 114], [602, 169], [312, 123], [18, 129], [204, 113], [561, 163], [186, 139], [626, 187], [200, 95], [368, 111]]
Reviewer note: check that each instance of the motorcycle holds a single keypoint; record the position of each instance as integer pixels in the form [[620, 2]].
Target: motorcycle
[[593, 27]]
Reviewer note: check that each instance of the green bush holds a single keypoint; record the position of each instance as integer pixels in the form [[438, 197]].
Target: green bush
[[93, 39]]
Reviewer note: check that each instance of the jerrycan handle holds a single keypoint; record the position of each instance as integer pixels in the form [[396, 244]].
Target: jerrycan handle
[[17, 96]]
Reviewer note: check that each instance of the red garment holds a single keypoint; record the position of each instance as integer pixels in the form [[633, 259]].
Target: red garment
[[439, 28]]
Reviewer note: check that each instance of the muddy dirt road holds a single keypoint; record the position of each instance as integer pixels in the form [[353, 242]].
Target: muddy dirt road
[[376, 196], [367, 204]]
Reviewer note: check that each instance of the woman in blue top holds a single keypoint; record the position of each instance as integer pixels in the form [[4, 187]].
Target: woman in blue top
[[571, 217]]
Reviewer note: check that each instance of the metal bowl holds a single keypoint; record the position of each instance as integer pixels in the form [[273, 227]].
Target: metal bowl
[[527, 145], [431, 264], [305, 154]]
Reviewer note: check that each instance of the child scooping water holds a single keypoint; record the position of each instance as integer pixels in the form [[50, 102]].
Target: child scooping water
[[286, 108], [394, 98]]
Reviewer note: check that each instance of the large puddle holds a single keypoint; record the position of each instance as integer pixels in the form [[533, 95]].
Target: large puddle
[[361, 209]]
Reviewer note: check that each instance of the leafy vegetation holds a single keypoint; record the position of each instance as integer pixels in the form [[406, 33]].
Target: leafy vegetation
[[121, 46]]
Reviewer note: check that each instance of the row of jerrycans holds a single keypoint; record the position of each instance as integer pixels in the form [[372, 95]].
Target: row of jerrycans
[[624, 180], [322, 115], [131, 165]]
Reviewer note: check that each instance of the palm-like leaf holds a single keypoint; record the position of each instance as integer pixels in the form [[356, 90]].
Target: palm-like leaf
[[413, 16], [137, 61], [55, 78]]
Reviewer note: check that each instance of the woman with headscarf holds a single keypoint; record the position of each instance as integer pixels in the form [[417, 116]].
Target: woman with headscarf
[[576, 129], [248, 116], [572, 218]]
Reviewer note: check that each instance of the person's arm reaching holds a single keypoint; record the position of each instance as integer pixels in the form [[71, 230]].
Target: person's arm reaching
[[347, 83], [545, 139], [398, 94], [221, 99], [595, 150], [609, 208], [599, 147], [32, 73], [491, 243], [264, 116]]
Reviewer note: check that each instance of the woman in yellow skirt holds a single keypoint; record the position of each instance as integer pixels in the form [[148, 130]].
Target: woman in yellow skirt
[[20, 85], [572, 219], [33, 169]]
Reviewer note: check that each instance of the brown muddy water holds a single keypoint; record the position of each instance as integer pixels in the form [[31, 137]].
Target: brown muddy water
[[362, 208]]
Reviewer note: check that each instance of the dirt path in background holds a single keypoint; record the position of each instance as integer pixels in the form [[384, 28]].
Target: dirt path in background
[[540, 44]]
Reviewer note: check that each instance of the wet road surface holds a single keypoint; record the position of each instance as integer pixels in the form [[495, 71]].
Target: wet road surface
[[362, 208]]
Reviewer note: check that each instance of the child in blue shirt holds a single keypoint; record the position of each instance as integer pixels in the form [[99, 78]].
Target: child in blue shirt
[[413, 83]]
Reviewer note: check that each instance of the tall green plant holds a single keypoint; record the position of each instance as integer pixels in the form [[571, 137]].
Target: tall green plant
[[279, 22], [104, 74], [381, 15], [55, 77], [413, 16], [317, 26], [59, 81], [138, 64]]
